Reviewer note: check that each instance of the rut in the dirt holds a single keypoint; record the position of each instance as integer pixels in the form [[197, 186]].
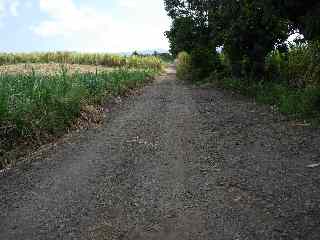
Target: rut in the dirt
[[176, 162]]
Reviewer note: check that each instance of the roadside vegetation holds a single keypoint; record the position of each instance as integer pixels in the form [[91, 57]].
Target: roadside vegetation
[[36, 107], [242, 45], [97, 59]]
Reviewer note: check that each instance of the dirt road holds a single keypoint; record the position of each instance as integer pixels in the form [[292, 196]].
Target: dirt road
[[176, 162]]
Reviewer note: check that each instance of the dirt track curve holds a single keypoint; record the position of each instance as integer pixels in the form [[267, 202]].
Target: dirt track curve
[[177, 162]]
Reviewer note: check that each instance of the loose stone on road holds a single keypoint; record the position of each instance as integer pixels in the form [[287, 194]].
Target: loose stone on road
[[175, 162]]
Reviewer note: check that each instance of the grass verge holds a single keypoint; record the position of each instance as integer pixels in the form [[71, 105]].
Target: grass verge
[[297, 103]]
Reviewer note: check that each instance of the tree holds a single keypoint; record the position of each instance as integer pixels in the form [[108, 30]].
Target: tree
[[247, 29], [190, 32], [303, 15], [182, 35], [251, 31], [135, 53]]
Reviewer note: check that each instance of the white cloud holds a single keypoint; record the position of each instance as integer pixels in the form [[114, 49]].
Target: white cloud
[[135, 26], [2, 7], [66, 19], [9, 8], [13, 7]]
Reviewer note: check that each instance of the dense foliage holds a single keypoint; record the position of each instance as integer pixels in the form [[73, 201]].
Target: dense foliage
[[184, 65], [253, 54], [248, 30]]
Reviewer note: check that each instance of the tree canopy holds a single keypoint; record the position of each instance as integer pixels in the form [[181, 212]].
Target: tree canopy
[[247, 29]]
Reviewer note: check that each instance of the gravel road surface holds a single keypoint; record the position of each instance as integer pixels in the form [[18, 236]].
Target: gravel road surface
[[176, 162]]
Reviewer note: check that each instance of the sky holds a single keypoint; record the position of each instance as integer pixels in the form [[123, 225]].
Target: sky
[[82, 25]]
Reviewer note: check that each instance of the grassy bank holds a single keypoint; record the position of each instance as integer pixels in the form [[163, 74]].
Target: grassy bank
[[35, 105], [291, 80], [297, 103]]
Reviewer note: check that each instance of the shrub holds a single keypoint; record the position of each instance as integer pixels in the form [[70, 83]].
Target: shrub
[[299, 67], [295, 102], [203, 62], [183, 66]]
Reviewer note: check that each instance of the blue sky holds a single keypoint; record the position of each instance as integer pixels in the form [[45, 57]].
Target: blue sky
[[82, 25]]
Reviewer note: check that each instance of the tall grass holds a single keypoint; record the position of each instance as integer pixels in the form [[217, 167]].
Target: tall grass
[[108, 60], [299, 67], [184, 66], [34, 106], [295, 102], [34, 102]]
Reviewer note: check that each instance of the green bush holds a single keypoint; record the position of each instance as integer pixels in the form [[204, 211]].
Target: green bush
[[183, 66], [295, 102], [198, 65], [299, 67], [300, 103], [203, 62]]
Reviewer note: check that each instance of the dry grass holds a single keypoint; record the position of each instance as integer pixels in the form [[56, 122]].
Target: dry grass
[[96, 59], [51, 68]]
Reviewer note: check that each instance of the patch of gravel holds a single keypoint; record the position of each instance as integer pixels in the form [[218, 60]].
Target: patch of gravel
[[176, 162]]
